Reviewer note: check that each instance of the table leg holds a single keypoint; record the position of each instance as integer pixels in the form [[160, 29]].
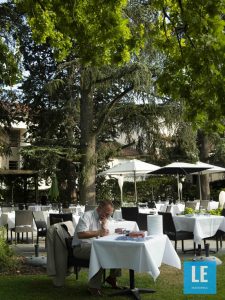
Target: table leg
[[132, 291]]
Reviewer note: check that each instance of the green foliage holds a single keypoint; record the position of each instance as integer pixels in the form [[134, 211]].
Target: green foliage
[[190, 34], [96, 31], [7, 259], [216, 212], [189, 211], [9, 52]]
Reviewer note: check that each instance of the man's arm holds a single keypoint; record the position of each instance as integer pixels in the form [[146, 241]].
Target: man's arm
[[91, 234]]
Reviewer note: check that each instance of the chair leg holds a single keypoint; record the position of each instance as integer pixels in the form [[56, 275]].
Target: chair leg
[[182, 243], [76, 271], [176, 245]]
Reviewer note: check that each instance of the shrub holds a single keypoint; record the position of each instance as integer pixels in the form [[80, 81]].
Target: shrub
[[8, 261]]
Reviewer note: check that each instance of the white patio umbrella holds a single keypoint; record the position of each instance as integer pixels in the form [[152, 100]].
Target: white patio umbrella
[[179, 168], [211, 169], [131, 169]]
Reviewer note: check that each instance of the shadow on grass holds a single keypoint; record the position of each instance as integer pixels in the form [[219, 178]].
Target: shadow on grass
[[169, 285]]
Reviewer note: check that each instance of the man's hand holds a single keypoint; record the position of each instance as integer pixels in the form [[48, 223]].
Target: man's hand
[[103, 232]]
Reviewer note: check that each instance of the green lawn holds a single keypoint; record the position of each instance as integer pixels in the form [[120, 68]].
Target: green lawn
[[169, 285]]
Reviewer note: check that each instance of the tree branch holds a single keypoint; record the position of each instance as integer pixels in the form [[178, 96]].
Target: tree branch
[[108, 109], [124, 71]]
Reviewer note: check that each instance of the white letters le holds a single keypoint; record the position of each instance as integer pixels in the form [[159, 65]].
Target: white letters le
[[202, 274]]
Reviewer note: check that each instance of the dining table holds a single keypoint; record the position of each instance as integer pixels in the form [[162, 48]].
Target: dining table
[[145, 254], [202, 225]]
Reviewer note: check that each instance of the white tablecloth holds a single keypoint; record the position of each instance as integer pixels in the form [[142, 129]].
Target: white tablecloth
[[8, 219], [140, 256], [202, 226]]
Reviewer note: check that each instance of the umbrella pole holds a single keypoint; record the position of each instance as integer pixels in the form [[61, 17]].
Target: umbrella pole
[[178, 190], [200, 185], [135, 188]]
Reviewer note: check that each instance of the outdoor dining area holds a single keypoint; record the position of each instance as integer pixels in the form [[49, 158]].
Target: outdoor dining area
[[142, 236]]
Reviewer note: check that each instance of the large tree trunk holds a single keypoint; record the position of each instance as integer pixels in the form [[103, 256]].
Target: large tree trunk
[[87, 141], [204, 155]]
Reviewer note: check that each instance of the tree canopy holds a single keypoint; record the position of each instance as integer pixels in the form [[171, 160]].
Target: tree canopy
[[158, 51], [84, 27]]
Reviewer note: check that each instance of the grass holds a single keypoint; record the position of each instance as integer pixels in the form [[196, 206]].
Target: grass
[[169, 285]]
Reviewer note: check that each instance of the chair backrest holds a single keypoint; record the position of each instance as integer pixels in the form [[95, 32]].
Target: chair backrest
[[223, 212], [142, 221], [151, 204], [168, 224], [39, 219], [90, 207], [191, 204], [168, 208], [73, 261], [57, 218], [6, 209], [204, 204], [23, 217], [130, 213]]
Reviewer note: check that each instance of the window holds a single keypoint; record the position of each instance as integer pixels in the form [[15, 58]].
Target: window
[[13, 165], [14, 138]]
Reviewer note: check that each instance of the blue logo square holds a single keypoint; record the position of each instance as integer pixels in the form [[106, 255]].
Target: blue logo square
[[200, 277]]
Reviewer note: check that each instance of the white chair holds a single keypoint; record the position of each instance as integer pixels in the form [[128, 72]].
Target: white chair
[[23, 223], [204, 204], [192, 204]]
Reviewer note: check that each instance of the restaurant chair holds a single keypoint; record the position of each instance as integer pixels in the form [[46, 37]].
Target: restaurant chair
[[130, 213], [168, 208], [204, 204], [23, 223], [191, 204], [142, 221], [170, 230], [76, 263], [41, 224], [57, 218], [218, 237], [151, 204]]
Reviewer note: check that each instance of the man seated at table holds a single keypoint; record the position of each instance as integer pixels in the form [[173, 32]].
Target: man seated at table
[[91, 225]]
